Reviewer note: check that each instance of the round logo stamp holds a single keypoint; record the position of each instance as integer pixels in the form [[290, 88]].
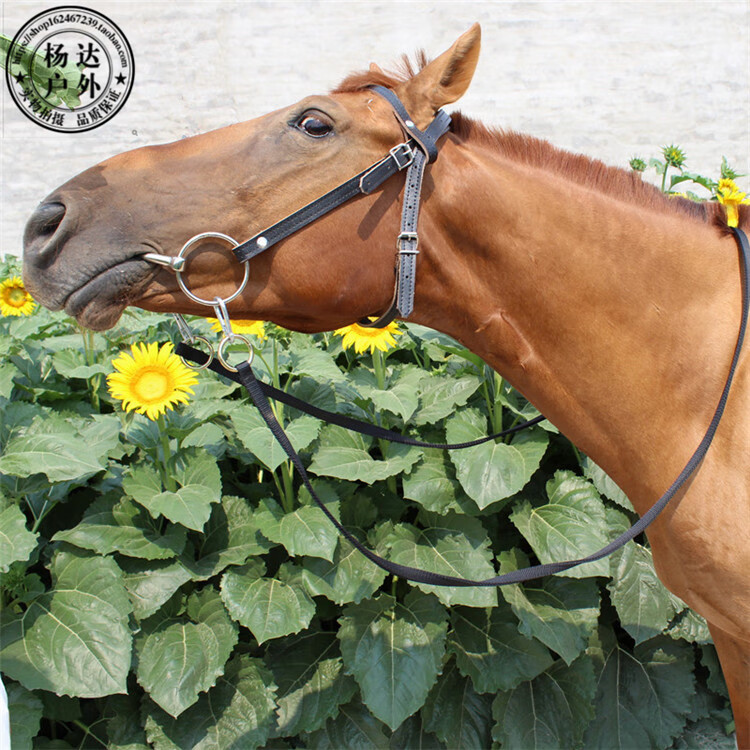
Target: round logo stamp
[[70, 69]]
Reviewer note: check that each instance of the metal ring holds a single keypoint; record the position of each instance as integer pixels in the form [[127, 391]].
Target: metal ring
[[187, 246], [229, 340], [211, 354]]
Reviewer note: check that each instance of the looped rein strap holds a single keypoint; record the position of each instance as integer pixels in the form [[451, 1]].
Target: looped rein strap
[[255, 389]]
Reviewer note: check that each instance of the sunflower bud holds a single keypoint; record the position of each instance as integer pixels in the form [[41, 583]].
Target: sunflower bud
[[673, 155], [637, 164]]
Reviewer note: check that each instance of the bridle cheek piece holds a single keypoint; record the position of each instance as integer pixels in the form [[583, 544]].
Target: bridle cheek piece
[[413, 155]]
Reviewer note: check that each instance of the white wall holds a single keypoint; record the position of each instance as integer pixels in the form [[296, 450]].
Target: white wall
[[610, 79]]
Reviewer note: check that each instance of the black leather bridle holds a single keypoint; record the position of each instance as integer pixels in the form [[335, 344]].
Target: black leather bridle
[[413, 155]]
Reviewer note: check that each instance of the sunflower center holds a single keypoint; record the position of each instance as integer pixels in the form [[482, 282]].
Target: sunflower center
[[16, 297], [152, 384]]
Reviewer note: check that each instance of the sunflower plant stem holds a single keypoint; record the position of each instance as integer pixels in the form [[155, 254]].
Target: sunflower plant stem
[[664, 177], [168, 480], [89, 348]]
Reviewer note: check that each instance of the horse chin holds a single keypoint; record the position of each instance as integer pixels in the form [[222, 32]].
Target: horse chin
[[99, 302]]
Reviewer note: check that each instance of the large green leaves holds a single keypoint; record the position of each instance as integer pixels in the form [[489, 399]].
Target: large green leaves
[[394, 651], [190, 505], [180, 657], [311, 682], [16, 541], [344, 455], [452, 545], [643, 603], [572, 525], [304, 531], [25, 710], [490, 650], [560, 612], [643, 697], [351, 577], [550, 711], [493, 471], [60, 457], [122, 526], [268, 607], [258, 439], [73, 639], [456, 713], [237, 714]]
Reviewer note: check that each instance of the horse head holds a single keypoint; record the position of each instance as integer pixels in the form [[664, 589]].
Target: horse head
[[84, 244]]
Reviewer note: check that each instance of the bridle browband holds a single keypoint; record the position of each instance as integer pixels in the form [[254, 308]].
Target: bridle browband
[[413, 155]]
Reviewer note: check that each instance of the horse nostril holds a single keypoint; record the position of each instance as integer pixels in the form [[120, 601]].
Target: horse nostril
[[38, 238]]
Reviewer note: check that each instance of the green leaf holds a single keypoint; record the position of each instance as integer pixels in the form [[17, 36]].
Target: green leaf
[[71, 363], [110, 526], [550, 711], [268, 607], [571, 526], [315, 363], [493, 471], [354, 729], [490, 650], [412, 734], [690, 626], [230, 537], [643, 697], [350, 577], [440, 395], [180, 658], [60, 457], [644, 605], [151, 584], [344, 455], [304, 531], [400, 396], [431, 484], [458, 715], [604, 484], [16, 541], [254, 434], [26, 713], [73, 639], [200, 485], [311, 682], [394, 651], [452, 545], [562, 613], [237, 714]]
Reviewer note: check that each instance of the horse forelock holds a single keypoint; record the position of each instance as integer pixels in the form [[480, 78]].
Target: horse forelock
[[361, 80]]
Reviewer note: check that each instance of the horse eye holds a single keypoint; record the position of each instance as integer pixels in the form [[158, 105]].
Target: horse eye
[[314, 125]]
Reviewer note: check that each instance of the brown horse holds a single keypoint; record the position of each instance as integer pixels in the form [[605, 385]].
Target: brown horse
[[612, 308]]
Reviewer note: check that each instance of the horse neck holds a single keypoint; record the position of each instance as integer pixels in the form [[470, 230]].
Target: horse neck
[[616, 320]]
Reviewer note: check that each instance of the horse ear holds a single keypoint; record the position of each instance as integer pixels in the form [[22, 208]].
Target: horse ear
[[375, 68], [446, 78]]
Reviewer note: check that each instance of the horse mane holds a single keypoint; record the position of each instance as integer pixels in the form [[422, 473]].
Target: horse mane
[[622, 184]]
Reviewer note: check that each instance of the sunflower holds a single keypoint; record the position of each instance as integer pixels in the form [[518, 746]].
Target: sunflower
[[362, 338], [150, 380], [731, 197], [247, 327], [14, 299]]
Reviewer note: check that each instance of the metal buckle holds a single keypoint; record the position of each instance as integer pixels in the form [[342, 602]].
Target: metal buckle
[[406, 237], [402, 151]]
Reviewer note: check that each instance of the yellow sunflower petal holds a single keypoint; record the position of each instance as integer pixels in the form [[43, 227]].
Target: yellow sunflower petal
[[150, 380], [363, 339], [14, 299]]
